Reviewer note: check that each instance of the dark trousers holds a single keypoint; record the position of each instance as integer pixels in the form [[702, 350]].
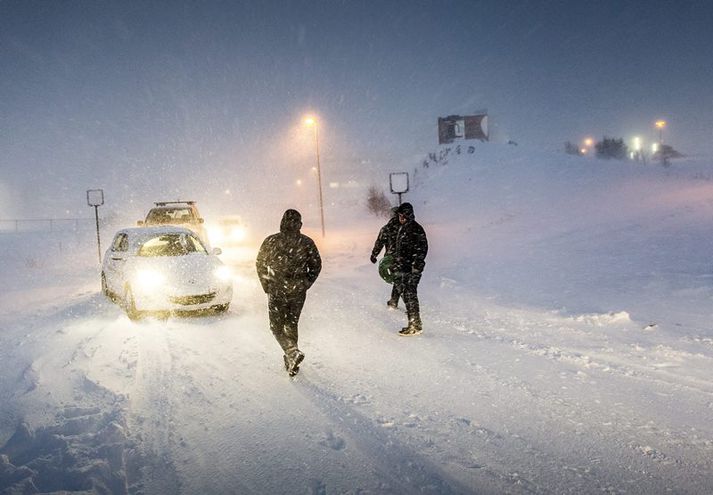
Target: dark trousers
[[284, 314], [395, 293], [407, 285]]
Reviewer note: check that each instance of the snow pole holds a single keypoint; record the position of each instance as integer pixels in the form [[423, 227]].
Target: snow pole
[[95, 198]]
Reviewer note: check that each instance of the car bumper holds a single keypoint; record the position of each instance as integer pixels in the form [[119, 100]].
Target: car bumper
[[183, 301]]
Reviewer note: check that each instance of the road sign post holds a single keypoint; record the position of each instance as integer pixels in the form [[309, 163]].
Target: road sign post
[[398, 182], [95, 198]]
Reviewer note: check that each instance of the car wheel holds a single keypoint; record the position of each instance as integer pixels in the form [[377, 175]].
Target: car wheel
[[130, 305], [221, 308], [105, 289]]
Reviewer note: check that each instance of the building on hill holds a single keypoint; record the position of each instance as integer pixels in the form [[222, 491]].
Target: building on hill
[[457, 127]]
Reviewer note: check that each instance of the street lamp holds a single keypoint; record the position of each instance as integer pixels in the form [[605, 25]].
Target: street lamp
[[312, 122], [660, 124]]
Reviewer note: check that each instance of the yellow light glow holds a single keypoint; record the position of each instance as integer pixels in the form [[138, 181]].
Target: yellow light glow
[[148, 279], [637, 143], [223, 273], [589, 142], [583, 150], [238, 234], [655, 147], [298, 182], [215, 234], [660, 124], [310, 121]]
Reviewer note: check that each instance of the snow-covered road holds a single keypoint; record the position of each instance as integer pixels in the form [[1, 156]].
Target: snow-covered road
[[489, 400]]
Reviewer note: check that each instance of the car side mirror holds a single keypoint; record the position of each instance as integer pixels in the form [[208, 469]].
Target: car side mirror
[[216, 251]]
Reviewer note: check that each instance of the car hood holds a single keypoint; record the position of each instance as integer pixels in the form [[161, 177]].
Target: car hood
[[184, 273]]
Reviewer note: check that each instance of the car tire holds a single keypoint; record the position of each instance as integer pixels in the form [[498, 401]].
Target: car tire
[[105, 289], [130, 305], [221, 308]]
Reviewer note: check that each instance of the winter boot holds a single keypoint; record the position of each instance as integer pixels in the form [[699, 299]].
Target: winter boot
[[293, 360], [392, 304], [411, 329]]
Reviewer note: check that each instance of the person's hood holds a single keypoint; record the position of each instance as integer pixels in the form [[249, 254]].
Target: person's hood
[[406, 209], [291, 222]]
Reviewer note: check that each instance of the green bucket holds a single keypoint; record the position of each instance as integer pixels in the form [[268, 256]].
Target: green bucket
[[385, 269]]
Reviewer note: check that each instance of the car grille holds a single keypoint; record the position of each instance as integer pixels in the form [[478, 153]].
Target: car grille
[[191, 300]]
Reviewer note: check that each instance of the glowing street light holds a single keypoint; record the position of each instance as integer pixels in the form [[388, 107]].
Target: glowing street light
[[312, 122], [660, 124], [588, 142]]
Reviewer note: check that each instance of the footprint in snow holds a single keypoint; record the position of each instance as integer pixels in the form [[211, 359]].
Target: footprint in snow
[[358, 399], [332, 441], [386, 423]]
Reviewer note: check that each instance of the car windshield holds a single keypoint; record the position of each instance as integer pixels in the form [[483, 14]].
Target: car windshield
[[171, 245], [169, 215]]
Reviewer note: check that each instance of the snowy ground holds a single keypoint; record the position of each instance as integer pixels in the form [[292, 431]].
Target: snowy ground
[[568, 348]]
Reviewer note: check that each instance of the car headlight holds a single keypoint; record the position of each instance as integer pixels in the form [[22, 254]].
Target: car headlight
[[215, 234], [237, 234], [223, 273], [148, 279]]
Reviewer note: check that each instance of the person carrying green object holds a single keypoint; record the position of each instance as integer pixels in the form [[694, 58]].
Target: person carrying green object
[[387, 240]]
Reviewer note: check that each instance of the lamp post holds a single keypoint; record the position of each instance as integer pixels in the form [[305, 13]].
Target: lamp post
[[660, 124], [311, 121]]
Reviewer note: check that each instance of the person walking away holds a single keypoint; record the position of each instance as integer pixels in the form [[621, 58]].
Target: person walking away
[[410, 254], [387, 240], [288, 263]]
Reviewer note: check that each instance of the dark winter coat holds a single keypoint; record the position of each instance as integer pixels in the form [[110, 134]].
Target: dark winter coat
[[288, 262], [411, 244], [387, 237]]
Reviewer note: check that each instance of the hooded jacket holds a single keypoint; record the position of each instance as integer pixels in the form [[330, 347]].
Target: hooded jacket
[[411, 244], [288, 262], [387, 235]]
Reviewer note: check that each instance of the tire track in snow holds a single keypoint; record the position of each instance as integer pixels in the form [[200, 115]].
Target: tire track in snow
[[152, 411], [404, 470]]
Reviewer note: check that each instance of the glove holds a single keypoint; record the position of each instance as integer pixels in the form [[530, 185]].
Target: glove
[[373, 258]]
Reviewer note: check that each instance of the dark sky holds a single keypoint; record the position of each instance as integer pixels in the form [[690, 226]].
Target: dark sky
[[96, 94]]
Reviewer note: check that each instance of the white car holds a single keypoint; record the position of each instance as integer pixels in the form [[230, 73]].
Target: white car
[[165, 268]]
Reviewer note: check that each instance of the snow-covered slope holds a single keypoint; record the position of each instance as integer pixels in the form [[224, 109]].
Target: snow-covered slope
[[567, 349], [574, 234]]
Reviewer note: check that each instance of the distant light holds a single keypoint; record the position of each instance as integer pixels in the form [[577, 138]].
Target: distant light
[[583, 150], [227, 191], [298, 182], [655, 147], [589, 142], [310, 121], [660, 124], [637, 144], [314, 169]]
